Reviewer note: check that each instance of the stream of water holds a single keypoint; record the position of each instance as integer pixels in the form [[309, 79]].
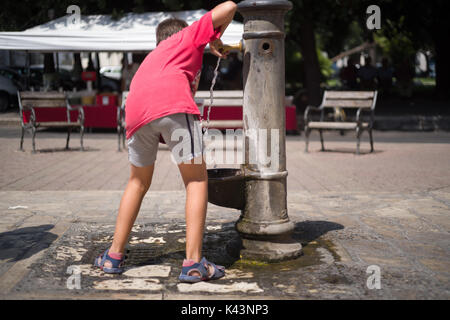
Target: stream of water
[[211, 93]]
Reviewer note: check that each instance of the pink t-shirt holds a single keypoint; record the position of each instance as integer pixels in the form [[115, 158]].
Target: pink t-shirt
[[162, 84]]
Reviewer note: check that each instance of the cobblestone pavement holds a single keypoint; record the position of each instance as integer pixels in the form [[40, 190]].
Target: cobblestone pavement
[[352, 214]]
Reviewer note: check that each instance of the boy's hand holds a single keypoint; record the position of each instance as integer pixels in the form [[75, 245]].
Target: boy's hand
[[222, 15], [215, 48]]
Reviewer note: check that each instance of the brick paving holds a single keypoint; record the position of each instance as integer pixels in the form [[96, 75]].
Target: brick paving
[[401, 162]]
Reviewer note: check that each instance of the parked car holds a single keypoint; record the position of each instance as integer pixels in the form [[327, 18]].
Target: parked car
[[10, 82], [112, 72], [13, 79], [67, 81], [63, 80]]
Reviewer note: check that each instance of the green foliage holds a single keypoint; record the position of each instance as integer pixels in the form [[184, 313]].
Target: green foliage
[[20, 15], [333, 22], [325, 65], [397, 45], [117, 14], [295, 65], [173, 5], [339, 25]]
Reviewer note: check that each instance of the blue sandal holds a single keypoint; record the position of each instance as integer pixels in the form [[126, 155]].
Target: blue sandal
[[199, 271], [219, 271], [117, 265]]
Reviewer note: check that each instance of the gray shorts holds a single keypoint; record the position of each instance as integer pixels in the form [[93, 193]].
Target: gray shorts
[[181, 132]]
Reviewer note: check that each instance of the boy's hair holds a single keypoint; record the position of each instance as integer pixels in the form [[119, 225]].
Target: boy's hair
[[169, 27]]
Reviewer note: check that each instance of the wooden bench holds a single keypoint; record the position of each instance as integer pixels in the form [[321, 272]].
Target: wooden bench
[[364, 101], [31, 101], [228, 98]]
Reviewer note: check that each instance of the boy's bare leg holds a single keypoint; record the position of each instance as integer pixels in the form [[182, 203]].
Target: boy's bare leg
[[195, 179], [138, 184]]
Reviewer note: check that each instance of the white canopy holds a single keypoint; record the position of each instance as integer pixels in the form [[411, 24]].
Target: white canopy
[[133, 32]]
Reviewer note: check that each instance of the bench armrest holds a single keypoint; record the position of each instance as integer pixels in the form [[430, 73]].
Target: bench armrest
[[360, 113], [31, 121], [310, 109], [120, 114], [80, 112]]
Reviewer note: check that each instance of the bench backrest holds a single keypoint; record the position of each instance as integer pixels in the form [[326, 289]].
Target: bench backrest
[[350, 99], [222, 97], [228, 98], [36, 99]]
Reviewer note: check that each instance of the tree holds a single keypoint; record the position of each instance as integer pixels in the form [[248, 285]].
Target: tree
[[308, 21], [427, 26], [327, 24], [419, 24], [301, 30]]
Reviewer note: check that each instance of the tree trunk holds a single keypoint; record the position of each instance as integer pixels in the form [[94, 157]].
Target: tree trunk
[[49, 63], [77, 70], [311, 62], [442, 68], [49, 76]]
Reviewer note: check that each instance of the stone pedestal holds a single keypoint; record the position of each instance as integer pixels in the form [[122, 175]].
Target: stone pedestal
[[264, 224]]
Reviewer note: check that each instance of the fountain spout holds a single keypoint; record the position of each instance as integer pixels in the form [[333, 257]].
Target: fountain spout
[[225, 48]]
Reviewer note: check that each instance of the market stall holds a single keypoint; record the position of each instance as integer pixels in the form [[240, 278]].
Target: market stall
[[134, 32]]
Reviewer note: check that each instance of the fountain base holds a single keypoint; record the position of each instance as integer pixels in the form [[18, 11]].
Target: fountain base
[[265, 237], [269, 251]]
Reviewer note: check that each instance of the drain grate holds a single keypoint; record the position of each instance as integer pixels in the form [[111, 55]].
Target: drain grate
[[144, 255]]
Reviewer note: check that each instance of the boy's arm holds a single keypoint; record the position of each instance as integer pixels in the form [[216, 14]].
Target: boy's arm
[[222, 15]]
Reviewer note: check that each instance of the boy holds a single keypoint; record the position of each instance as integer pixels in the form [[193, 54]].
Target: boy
[[161, 101]]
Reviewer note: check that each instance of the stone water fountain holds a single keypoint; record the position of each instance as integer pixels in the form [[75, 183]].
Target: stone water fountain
[[258, 188]]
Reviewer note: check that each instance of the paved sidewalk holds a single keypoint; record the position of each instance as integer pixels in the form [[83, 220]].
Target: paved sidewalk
[[389, 209], [401, 162]]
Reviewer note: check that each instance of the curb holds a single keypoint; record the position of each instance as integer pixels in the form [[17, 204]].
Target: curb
[[412, 123], [418, 123], [10, 122], [383, 123]]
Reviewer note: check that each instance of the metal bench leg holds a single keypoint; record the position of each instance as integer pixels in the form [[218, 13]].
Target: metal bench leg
[[21, 139], [119, 133], [321, 140], [307, 132], [358, 140], [124, 138], [371, 140], [33, 132], [81, 137], [68, 138]]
